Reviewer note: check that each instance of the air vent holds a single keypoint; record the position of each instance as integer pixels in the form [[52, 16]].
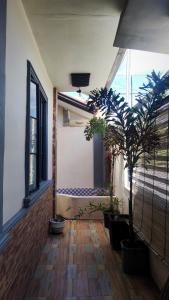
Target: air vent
[[80, 79]]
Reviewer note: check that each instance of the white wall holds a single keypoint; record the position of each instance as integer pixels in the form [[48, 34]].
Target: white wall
[[65, 201], [59, 117], [20, 47], [74, 157]]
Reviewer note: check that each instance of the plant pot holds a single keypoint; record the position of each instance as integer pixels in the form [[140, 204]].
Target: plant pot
[[106, 215], [135, 258], [56, 225], [118, 230]]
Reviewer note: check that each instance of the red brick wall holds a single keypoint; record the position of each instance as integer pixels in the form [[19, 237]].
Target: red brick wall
[[19, 258]]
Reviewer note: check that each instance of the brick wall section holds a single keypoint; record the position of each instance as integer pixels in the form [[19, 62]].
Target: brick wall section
[[19, 258]]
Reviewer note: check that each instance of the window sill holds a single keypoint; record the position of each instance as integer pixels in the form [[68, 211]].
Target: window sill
[[32, 198]]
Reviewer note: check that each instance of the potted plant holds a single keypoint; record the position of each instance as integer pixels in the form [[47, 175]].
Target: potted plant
[[135, 134], [100, 206], [57, 222], [108, 210], [113, 220], [118, 230], [100, 126]]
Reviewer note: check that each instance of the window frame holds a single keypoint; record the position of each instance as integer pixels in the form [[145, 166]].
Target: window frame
[[42, 133], [3, 17]]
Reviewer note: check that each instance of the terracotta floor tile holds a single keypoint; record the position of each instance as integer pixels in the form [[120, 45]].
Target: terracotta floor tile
[[80, 265], [96, 298], [94, 288], [80, 285]]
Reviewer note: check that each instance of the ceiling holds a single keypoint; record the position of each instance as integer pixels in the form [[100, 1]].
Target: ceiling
[[75, 36]]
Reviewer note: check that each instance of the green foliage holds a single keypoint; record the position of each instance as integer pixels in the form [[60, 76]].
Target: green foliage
[[132, 130], [101, 126], [95, 126], [114, 208], [102, 207]]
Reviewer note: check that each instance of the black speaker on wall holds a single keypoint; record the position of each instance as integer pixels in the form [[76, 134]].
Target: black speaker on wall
[[80, 79]]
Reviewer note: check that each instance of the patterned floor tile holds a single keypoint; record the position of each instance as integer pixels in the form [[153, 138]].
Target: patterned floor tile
[[97, 298], [80, 265], [81, 284], [71, 271], [137, 298], [92, 271], [88, 248], [72, 248]]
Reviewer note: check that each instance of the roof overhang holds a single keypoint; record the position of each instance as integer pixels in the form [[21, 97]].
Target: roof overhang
[[144, 25], [74, 105]]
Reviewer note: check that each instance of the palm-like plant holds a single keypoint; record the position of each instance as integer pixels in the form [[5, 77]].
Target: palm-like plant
[[100, 126], [133, 129]]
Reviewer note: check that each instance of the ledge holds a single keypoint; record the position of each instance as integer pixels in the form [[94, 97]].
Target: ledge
[[14, 220], [31, 199], [4, 238]]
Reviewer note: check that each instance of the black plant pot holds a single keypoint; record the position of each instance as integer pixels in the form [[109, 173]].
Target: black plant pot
[[107, 215], [118, 230], [135, 258]]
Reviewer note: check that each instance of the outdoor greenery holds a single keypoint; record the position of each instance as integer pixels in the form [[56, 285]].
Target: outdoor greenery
[[101, 126], [132, 130], [92, 207]]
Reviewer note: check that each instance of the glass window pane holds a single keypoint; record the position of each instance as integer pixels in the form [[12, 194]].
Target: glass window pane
[[43, 146], [33, 100], [32, 172], [137, 82], [33, 135], [119, 82]]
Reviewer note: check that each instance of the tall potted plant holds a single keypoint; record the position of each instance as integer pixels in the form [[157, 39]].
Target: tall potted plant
[[136, 134], [100, 126]]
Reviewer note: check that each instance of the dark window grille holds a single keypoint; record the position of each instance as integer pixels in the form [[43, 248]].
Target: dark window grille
[[36, 133]]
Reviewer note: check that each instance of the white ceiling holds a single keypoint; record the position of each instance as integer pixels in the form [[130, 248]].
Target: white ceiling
[[75, 36]]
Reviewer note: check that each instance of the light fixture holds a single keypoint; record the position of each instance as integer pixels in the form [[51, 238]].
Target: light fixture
[[80, 80]]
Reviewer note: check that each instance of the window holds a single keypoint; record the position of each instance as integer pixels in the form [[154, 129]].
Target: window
[[36, 133], [133, 69]]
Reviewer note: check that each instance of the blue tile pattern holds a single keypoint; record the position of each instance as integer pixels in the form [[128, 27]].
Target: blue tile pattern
[[80, 191]]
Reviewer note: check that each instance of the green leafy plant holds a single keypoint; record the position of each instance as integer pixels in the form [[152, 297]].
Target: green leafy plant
[[95, 126], [95, 207], [133, 129], [101, 126]]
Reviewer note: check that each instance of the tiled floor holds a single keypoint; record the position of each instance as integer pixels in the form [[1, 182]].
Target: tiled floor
[[80, 265]]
